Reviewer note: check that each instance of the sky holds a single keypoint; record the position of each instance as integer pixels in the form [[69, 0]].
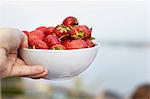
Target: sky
[[118, 20]]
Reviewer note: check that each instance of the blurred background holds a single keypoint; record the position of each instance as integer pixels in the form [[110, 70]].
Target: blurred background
[[122, 64]]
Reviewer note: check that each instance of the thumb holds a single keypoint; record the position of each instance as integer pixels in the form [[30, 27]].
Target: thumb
[[25, 70], [24, 41]]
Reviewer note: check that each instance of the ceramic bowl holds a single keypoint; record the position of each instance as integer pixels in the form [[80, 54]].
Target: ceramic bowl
[[61, 63]]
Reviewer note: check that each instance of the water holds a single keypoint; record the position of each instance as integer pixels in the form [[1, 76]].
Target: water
[[118, 68]]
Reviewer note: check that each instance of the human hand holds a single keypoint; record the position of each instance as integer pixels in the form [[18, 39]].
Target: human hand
[[10, 64]]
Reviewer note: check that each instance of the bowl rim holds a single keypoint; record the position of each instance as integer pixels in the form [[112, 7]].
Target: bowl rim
[[97, 45]]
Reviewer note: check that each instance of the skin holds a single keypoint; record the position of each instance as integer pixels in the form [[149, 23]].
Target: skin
[[10, 64]]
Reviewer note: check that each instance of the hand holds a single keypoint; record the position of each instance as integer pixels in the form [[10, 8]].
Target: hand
[[10, 64]]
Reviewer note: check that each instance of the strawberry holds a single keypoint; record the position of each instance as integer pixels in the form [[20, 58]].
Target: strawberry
[[42, 28], [58, 47], [51, 40], [61, 30], [80, 31], [76, 44], [26, 32], [66, 42], [68, 35], [35, 35], [70, 21], [89, 43], [39, 44], [49, 30]]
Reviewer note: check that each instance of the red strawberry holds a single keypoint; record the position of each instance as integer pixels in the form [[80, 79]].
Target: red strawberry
[[58, 47], [80, 31], [61, 30], [49, 30], [70, 21], [51, 40], [42, 28], [39, 44], [90, 43], [76, 44], [66, 42], [26, 32], [35, 35]]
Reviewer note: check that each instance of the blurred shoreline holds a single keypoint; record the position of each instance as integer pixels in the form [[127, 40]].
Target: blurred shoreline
[[134, 44]]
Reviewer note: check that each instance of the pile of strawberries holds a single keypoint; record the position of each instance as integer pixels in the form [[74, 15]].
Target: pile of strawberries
[[66, 36]]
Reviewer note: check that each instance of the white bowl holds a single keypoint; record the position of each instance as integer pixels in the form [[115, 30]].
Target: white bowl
[[61, 63]]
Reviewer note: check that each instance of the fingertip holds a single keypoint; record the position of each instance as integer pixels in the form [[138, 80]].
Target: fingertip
[[41, 75], [46, 71]]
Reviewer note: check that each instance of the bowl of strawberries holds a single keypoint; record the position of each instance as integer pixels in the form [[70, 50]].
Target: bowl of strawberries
[[65, 50]]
